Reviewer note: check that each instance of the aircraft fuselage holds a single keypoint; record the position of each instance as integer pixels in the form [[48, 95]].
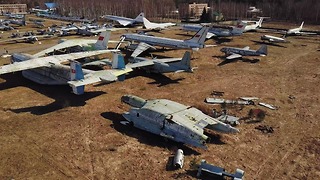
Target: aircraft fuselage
[[240, 51], [163, 42]]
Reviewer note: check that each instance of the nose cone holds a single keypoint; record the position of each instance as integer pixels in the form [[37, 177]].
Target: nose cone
[[223, 50], [134, 101]]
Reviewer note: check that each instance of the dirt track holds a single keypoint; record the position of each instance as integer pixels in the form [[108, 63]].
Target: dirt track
[[47, 132]]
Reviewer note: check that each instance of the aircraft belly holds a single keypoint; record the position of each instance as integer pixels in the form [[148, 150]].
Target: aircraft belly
[[39, 76]]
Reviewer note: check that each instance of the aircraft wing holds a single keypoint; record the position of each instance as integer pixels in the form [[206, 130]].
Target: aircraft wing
[[307, 33], [66, 44], [123, 22], [141, 64], [233, 56], [195, 119], [141, 48], [210, 35], [100, 76], [47, 61]]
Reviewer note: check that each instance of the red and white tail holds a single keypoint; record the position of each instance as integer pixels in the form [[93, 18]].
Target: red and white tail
[[102, 42], [200, 36]]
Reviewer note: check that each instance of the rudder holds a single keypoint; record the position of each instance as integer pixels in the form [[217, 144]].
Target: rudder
[[76, 73], [200, 36], [103, 39], [263, 50]]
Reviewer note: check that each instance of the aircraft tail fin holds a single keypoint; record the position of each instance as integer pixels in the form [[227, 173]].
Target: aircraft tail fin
[[76, 73], [260, 22], [140, 17], [200, 36], [147, 24], [102, 42], [185, 61], [238, 30], [118, 63], [301, 25], [263, 50]]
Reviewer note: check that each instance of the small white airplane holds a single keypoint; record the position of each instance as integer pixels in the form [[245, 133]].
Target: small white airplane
[[124, 21], [297, 31], [195, 43], [76, 45], [234, 53], [253, 25], [155, 26], [253, 9], [50, 70], [274, 39]]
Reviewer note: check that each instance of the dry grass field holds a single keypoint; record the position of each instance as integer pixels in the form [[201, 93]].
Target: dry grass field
[[46, 132]]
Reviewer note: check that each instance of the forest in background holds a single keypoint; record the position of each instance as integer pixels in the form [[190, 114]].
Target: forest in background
[[288, 10]]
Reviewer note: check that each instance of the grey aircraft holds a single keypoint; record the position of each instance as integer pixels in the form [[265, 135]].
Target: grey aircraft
[[195, 43], [234, 52], [4, 27], [172, 120], [156, 65]]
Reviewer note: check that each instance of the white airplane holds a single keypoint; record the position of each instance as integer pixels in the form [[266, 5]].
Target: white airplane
[[195, 43], [155, 26], [297, 31], [124, 21], [253, 25], [76, 45], [274, 39], [234, 53], [253, 9], [50, 71]]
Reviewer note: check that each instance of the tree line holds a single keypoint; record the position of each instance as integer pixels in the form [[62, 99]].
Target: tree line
[[288, 10]]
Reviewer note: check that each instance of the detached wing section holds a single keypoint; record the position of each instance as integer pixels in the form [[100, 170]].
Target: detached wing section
[[47, 61]]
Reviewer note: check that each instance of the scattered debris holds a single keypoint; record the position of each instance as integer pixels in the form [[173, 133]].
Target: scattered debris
[[178, 159], [217, 93], [256, 115], [248, 98], [213, 172], [291, 97], [268, 106], [265, 128], [223, 117], [223, 101]]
